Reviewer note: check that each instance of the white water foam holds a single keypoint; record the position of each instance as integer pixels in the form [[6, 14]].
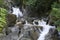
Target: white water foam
[[17, 12], [46, 28]]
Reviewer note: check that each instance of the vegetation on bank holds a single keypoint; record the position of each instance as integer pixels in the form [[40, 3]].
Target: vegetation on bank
[[3, 22], [55, 13], [2, 4]]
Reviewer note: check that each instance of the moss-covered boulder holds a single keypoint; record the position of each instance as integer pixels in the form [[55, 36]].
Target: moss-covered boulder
[[11, 19]]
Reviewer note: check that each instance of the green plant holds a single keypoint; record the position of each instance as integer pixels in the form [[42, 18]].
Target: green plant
[[3, 13], [29, 2], [55, 14]]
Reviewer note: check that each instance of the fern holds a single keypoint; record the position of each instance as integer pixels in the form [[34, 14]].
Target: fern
[[3, 13]]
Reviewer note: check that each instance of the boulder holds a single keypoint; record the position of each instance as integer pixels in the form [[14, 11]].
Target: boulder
[[11, 19], [59, 36], [52, 35]]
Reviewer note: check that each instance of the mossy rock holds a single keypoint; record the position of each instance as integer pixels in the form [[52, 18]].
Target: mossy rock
[[11, 19]]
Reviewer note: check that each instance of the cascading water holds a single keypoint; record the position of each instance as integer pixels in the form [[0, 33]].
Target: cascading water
[[41, 23], [27, 27], [15, 29], [44, 32], [17, 12], [46, 28]]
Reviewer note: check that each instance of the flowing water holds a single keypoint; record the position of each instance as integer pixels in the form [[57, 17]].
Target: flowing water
[[17, 12], [46, 28], [41, 23]]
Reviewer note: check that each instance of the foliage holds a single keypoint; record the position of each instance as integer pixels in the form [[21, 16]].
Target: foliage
[[38, 7], [55, 13], [1, 3], [3, 13], [29, 2]]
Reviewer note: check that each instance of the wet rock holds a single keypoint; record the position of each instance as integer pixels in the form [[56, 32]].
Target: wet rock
[[13, 3], [11, 19], [25, 39], [52, 35], [59, 36], [33, 34], [30, 33]]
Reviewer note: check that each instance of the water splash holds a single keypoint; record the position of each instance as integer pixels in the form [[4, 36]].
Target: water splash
[[41, 23], [17, 12], [46, 28]]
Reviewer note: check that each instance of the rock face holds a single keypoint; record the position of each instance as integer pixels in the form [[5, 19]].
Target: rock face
[[52, 35], [29, 34], [11, 19], [39, 9], [11, 3], [59, 36]]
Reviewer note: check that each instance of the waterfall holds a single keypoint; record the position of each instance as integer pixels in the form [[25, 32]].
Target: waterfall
[[17, 12], [46, 28], [41, 23], [30, 25], [27, 25]]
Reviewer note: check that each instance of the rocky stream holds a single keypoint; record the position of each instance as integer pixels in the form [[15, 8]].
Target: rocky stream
[[23, 27]]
